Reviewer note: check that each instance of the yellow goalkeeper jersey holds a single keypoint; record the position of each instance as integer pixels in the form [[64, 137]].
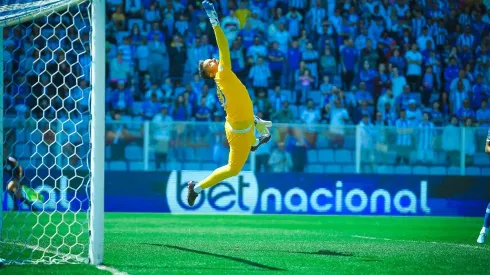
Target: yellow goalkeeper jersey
[[231, 92]]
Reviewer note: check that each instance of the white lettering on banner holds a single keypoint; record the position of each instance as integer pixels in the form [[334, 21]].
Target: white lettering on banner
[[237, 195], [349, 200], [302, 206], [412, 206], [423, 197], [314, 200], [404, 201], [387, 200], [277, 199], [241, 195], [338, 197]]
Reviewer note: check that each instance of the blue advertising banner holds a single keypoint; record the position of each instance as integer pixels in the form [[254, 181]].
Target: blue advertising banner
[[263, 193]]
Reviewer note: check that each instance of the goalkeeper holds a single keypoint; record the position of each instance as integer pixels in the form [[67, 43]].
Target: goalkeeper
[[19, 192], [240, 120]]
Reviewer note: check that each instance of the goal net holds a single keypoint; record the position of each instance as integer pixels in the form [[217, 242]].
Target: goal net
[[47, 211]]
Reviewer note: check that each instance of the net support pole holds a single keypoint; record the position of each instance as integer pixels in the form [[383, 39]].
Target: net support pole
[[1, 131], [97, 133], [146, 145], [358, 150], [462, 156]]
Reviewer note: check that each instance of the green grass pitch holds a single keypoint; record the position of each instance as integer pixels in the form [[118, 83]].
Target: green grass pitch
[[202, 244]]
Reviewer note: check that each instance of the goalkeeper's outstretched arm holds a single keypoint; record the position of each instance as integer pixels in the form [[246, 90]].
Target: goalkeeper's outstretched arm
[[224, 48]]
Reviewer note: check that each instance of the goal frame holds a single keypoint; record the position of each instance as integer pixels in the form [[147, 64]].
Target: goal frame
[[97, 122]]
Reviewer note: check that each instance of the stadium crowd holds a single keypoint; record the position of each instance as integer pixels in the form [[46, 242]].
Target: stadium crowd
[[408, 64], [365, 57]]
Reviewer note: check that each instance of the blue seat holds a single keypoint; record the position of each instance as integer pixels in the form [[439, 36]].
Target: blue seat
[[441, 158], [314, 168], [333, 169], [174, 166], [118, 166], [316, 96], [325, 156], [350, 142], [312, 156], [485, 171], [421, 170], [209, 166], [133, 153], [322, 141], [343, 156], [473, 171], [438, 170], [482, 159], [136, 166], [192, 166], [385, 169], [22, 150], [349, 169], [454, 171], [189, 153], [204, 154], [403, 170]]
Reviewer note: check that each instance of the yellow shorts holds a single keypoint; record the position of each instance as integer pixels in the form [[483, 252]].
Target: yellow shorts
[[240, 143]]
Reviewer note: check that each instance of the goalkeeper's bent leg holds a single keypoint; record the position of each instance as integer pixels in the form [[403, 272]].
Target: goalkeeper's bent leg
[[239, 150]]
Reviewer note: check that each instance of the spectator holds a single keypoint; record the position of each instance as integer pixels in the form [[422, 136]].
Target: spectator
[[438, 118], [119, 18], [280, 161], [177, 55], [426, 136], [428, 86], [259, 74], [413, 113], [364, 95], [158, 64], [479, 92], [154, 91], [338, 119], [231, 25], [262, 103], [285, 115], [152, 15], [414, 70], [362, 110], [367, 131], [202, 112], [277, 98], [294, 57], [143, 57], [483, 114], [458, 95], [257, 50], [398, 82], [465, 112], [348, 59], [120, 69], [367, 76], [276, 63], [305, 80], [297, 145], [133, 8], [122, 100], [328, 64], [181, 109], [470, 141], [294, 22], [404, 132], [161, 135], [118, 137], [386, 98], [150, 107]]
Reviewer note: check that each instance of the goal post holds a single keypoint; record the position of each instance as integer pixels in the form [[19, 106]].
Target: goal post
[[97, 132], [53, 123]]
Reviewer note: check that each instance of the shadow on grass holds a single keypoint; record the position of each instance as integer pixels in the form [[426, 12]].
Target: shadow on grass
[[326, 253], [236, 259]]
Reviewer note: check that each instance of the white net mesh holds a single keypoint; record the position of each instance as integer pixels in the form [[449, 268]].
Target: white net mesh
[[46, 129]]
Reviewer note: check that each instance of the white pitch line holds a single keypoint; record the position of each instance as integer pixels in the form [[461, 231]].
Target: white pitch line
[[112, 270], [422, 242]]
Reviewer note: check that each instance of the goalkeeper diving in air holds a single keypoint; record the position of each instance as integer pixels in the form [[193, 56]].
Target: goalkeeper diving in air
[[19, 192], [240, 120]]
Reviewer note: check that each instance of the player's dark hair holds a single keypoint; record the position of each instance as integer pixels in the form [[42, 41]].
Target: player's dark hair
[[202, 72]]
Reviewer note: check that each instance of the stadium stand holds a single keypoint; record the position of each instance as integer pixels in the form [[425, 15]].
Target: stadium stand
[[330, 64]]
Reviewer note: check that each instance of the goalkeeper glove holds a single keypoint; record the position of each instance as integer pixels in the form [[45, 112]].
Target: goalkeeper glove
[[213, 16]]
